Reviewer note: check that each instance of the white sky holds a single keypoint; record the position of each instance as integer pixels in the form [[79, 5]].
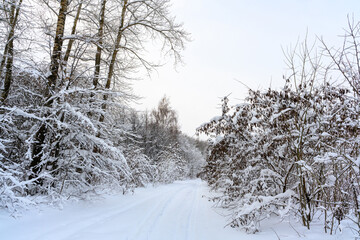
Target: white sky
[[237, 39]]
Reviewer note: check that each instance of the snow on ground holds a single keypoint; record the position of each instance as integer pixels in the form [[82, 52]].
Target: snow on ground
[[179, 211]]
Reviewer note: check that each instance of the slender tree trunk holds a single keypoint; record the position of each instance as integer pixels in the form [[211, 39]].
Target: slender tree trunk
[[3, 59], [287, 177], [56, 54], [100, 36], [6, 48], [99, 46], [114, 55], [8, 72], [73, 31], [9, 50], [116, 46], [37, 151]]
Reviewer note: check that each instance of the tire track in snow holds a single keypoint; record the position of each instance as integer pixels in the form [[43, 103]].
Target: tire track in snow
[[181, 206], [190, 223], [156, 214], [120, 212], [93, 219]]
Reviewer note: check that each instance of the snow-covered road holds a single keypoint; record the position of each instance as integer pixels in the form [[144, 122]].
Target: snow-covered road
[[176, 211], [169, 212]]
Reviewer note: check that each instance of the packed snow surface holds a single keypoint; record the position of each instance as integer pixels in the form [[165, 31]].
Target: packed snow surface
[[178, 211]]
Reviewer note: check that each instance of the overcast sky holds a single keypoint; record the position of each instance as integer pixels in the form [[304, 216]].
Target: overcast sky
[[237, 39]]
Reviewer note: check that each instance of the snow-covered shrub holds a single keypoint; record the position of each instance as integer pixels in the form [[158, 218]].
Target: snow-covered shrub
[[13, 183], [170, 166], [72, 148], [270, 151], [142, 169]]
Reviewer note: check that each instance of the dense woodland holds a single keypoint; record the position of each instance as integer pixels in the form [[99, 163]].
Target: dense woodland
[[66, 128], [293, 151]]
